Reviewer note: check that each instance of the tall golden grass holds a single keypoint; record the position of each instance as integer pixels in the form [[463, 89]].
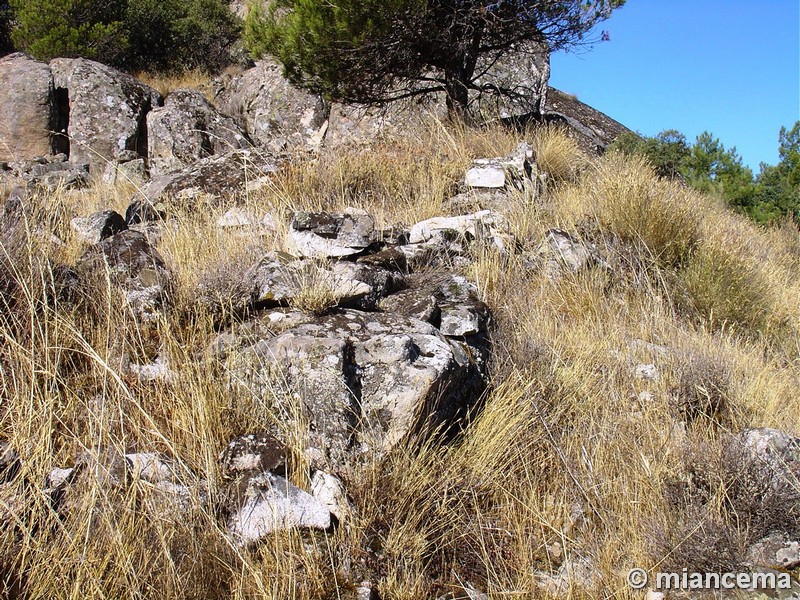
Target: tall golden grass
[[567, 462]]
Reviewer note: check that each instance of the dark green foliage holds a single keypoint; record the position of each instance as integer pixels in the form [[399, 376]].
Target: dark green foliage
[[157, 35], [89, 28], [372, 51], [5, 28], [174, 35], [708, 166]]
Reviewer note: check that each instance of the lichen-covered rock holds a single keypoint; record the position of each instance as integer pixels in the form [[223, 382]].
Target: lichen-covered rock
[[327, 235], [563, 251], [28, 113], [775, 551], [222, 177], [362, 381], [188, 128], [133, 265], [512, 172], [259, 452], [107, 111], [483, 224], [98, 226], [272, 112], [329, 490]]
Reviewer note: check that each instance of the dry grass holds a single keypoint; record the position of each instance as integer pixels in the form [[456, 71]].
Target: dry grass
[[195, 79], [568, 461]]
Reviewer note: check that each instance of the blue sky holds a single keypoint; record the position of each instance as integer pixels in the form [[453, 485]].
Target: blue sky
[[731, 67]]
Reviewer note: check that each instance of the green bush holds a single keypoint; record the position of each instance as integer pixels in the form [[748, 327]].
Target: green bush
[[90, 28], [175, 35], [5, 29], [153, 35]]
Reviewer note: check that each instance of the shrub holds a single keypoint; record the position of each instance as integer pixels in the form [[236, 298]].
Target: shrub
[[89, 28], [656, 216], [160, 35], [171, 35]]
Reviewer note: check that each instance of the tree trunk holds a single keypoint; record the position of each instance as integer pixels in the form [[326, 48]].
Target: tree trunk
[[457, 94]]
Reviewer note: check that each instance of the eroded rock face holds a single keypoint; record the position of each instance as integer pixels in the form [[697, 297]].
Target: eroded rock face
[[188, 128], [274, 113], [98, 226], [254, 452], [133, 265], [222, 177], [28, 114], [364, 381], [107, 111], [328, 235]]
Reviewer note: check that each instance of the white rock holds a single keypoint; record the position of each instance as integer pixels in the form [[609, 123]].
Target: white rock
[[648, 372], [273, 504], [485, 177], [150, 466], [329, 490], [473, 225]]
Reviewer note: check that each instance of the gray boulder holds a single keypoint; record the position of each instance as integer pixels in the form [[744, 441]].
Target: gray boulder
[[364, 381], [222, 177], [272, 112], [107, 111], [775, 551], [188, 128], [28, 113], [134, 266], [99, 226]]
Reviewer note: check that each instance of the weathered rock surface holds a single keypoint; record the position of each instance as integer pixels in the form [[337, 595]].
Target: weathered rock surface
[[270, 504], [46, 173], [327, 235], [364, 380], [272, 112], [107, 111], [773, 448], [563, 251], [28, 114], [188, 128], [511, 172], [776, 551], [329, 490], [133, 265], [254, 452], [98, 226], [222, 176]]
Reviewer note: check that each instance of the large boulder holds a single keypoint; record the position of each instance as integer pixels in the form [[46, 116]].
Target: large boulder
[[522, 74], [360, 382], [107, 111], [28, 113], [274, 113], [188, 128]]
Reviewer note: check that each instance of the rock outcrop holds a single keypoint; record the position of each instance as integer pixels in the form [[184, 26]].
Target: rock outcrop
[[28, 113], [134, 266], [274, 113], [107, 111], [188, 128]]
